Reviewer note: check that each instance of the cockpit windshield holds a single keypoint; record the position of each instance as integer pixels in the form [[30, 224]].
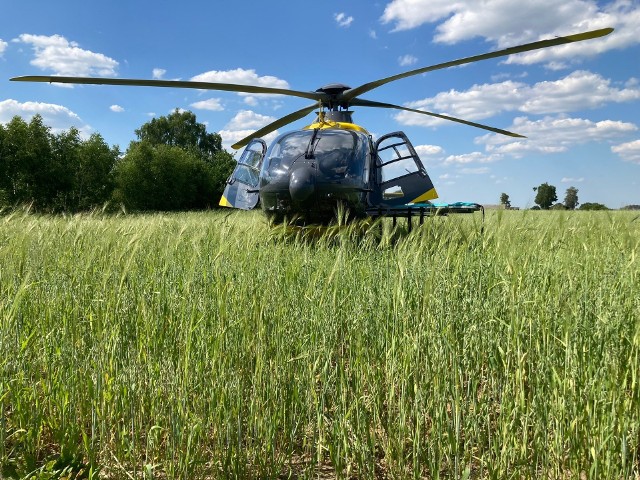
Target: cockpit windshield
[[248, 169], [337, 153]]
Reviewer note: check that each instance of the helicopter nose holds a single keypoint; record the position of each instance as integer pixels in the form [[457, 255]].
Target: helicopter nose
[[301, 183]]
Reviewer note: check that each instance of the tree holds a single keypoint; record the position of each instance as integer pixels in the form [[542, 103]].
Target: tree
[[93, 173], [174, 165], [546, 195], [180, 129], [163, 177], [571, 198], [28, 171], [504, 200]]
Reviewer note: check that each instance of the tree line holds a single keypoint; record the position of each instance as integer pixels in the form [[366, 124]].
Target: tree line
[[546, 198], [173, 165]]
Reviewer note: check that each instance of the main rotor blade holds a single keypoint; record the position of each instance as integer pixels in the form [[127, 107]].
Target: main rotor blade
[[579, 37], [367, 103], [229, 87], [281, 122]]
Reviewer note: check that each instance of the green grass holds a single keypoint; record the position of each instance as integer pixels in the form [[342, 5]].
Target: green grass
[[212, 345]]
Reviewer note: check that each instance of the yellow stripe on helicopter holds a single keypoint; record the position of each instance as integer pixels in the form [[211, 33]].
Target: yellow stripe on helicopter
[[224, 202], [428, 195]]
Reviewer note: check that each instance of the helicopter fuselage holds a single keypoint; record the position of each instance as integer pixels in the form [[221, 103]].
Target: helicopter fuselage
[[309, 173]]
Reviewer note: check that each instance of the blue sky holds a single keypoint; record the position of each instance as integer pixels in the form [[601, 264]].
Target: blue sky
[[578, 105]]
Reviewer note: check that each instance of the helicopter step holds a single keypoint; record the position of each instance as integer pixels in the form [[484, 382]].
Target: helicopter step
[[422, 210]]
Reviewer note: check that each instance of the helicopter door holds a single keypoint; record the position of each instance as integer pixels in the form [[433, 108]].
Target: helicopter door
[[242, 187], [400, 176]]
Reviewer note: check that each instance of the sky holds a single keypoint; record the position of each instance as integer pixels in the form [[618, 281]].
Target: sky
[[576, 104]]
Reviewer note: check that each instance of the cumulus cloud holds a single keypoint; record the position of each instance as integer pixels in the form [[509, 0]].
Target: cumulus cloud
[[577, 91], [241, 76], [243, 124], [553, 134], [506, 23], [62, 57], [212, 104], [343, 20], [158, 73], [428, 150], [3, 46], [629, 152], [116, 108], [473, 157], [59, 118], [406, 60]]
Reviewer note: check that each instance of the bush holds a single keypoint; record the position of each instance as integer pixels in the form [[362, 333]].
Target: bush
[[593, 206], [162, 177]]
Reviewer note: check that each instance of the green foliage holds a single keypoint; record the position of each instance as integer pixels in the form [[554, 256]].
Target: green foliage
[[208, 345], [504, 200], [558, 206], [571, 198], [176, 165], [50, 172], [162, 177], [180, 129], [93, 181], [30, 174], [62, 172], [546, 195], [593, 206], [221, 169]]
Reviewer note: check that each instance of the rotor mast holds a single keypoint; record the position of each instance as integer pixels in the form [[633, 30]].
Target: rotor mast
[[337, 107]]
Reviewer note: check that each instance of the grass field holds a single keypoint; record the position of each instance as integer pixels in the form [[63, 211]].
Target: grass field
[[210, 345]]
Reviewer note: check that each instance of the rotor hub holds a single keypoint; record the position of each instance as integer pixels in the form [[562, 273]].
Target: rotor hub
[[334, 89]]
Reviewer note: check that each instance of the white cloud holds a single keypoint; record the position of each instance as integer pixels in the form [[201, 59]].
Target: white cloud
[[248, 119], [57, 117], [629, 152], [373, 34], [343, 20], [213, 104], [243, 124], [408, 14], [428, 150], [572, 180], [3, 46], [251, 100], [158, 73], [579, 90], [56, 53], [116, 108], [241, 76], [553, 135], [473, 157], [506, 23], [406, 60]]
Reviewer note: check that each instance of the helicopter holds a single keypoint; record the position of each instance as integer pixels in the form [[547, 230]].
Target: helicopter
[[334, 162]]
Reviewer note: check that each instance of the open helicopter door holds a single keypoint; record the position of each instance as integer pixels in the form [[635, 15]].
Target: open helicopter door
[[242, 186], [401, 178]]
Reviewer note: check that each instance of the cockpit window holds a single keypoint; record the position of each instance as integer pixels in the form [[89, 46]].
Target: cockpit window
[[337, 153], [286, 150], [248, 169]]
